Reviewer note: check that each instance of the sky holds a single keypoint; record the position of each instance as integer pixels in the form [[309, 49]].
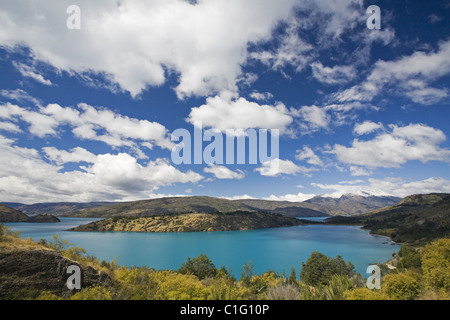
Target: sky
[[92, 93]]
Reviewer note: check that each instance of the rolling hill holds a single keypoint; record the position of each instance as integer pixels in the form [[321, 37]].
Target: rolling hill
[[347, 205], [414, 219]]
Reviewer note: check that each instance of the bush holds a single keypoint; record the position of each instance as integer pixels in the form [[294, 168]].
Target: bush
[[401, 286], [364, 294], [436, 264]]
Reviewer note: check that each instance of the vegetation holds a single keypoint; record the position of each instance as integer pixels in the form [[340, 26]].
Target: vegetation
[[421, 273], [417, 219], [193, 222]]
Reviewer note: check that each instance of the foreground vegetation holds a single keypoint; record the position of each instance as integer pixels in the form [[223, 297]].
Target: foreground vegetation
[[421, 273]]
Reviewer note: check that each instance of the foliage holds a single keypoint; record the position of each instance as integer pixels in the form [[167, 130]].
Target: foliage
[[319, 269], [436, 264], [364, 294], [93, 293], [284, 291], [401, 286], [201, 267], [176, 286], [336, 287], [247, 273], [409, 257]]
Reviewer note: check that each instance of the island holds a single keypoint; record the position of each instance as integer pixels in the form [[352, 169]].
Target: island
[[193, 222]]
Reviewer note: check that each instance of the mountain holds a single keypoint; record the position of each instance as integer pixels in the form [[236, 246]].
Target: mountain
[[58, 209], [415, 219], [11, 215], [347, 205]]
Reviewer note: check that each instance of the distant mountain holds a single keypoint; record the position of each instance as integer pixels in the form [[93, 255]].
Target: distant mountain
[[58, 209], [347, 205], [415, 219]]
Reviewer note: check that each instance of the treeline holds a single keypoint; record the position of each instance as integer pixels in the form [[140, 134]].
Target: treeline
[[420, 273]]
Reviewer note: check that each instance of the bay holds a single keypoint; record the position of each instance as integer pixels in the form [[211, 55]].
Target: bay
[[269, 249]]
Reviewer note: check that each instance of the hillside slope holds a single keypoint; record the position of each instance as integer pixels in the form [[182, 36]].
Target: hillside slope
[[415, 219], [193, 222]]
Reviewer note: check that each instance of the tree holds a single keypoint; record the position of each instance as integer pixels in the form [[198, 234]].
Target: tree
[[247, 273], [410, 257], [292, 276], [319, 269], [202, 267], [364, 294], [436, 264]]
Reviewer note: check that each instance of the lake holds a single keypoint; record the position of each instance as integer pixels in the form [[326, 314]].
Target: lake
[[268, 249]]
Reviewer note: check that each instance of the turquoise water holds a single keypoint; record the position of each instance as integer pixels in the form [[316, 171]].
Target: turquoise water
[[270, 249]]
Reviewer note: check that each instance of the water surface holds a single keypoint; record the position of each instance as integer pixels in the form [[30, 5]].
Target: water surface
[[269, 249]]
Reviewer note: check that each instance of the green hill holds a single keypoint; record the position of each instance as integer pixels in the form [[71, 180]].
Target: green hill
[[415, 219]]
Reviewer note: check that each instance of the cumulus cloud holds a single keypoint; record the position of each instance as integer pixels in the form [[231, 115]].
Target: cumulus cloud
[[222, 172], [313, 118], [299, 197], [89, 123], [415, 142], [205, 43], [367, 127], [308, 155], [388, 187], [225, 112], [26, 177], [277, 167]]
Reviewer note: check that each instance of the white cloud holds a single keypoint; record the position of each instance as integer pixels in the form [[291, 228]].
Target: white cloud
[[224, 112], [335, 75], [415, 142], [261, 96], [89, 123], [26, 177], [277, 167], [314, 118], [19, 95], [222, 172], [309, 155], [10, 127], [299, 197], [205, 43], [367, 127], [75, 155], [31, 72], [410, 76], [389, 187]]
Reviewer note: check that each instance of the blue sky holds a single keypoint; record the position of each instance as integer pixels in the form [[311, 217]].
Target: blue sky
[[87, 114]]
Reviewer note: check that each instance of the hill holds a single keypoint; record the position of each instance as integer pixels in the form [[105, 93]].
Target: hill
[[317, 207], [415, 219], [11, 215], [57, 209], [193, 222], [28, 268]]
